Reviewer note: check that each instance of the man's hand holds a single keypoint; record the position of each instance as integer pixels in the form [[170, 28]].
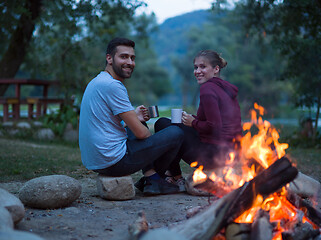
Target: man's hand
[[187, 119], [142, 113], [131, 120]]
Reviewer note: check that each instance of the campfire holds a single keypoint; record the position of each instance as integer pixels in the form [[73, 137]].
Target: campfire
[[256, 178], [255, 198]]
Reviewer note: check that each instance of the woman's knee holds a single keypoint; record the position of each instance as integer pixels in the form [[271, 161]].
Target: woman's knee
[[162, 123]]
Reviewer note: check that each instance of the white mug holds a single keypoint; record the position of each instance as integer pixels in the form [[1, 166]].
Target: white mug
[[176, 116]]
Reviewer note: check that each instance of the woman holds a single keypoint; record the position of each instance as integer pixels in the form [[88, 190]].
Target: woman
[[215, 129]]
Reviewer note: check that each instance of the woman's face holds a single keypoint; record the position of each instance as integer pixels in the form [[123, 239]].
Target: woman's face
[[203, 70]]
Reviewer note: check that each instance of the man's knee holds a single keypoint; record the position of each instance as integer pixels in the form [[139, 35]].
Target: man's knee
[[176, 132]]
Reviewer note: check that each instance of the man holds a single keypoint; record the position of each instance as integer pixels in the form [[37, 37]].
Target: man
[[106, 147]]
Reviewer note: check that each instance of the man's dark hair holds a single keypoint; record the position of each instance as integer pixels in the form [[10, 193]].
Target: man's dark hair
[[114, 43]]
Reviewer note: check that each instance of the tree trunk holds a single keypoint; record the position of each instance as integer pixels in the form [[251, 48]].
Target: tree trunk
[[19, 42]]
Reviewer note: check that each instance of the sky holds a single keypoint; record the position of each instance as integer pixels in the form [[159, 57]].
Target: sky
[[164, 9]]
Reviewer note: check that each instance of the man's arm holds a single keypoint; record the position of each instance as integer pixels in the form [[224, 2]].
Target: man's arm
[[132, 121]]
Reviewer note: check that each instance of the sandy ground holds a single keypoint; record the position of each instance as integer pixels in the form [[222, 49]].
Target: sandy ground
[[91, 217]]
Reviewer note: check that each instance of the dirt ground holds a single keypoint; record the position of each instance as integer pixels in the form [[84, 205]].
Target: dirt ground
[[91, 217]]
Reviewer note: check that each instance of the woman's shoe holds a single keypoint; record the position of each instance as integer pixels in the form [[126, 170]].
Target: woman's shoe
[[179, 182]]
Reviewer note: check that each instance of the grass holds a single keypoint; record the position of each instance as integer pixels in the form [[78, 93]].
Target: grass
[[22, 160]]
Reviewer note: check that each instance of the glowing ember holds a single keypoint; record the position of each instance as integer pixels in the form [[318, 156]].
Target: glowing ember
[[258, 152]]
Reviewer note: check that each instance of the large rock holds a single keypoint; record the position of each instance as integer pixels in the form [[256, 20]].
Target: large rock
[[115, 188], [23, 125], [161, 234], [18, 235], [55, 191], [12, 204], [6, 222], [71, 134], [45, 134]]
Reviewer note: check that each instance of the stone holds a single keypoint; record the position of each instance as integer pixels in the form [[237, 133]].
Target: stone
[[6, 222], [12, 204], [71, 134], [305, 186], [15, 235], [13, 132], [161, 234], [50, 192], [44, 134], [37, 124], [23, 125], [8, 124], [115, 188]]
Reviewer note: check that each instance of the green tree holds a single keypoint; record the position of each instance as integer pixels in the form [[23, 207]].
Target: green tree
[[52, 35], [149, 81], [295, 30]]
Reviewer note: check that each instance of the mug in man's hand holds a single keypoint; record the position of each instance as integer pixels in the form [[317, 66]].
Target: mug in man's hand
[[176, 115], [153, 111]]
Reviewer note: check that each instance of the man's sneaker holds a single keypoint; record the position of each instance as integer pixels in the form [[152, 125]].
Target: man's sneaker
[[140, 184], [179, 182], [159, 186]]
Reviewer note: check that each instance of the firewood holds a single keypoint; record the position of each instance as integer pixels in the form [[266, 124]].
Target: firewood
[[305, 186], [261, 227], [238, 231], [302, 231], [310, 212]]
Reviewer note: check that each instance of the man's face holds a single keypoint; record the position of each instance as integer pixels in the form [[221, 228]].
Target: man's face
[[123, 63]]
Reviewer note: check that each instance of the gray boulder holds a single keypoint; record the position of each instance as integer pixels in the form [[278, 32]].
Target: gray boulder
[[12, 204], [70, 134], [17, 235], [162, 233], [6, 222], [45, 134], [23, 125], [37, 124], [49, 192]]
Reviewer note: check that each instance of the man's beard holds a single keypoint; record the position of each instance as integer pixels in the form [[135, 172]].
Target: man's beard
[[120, 72]]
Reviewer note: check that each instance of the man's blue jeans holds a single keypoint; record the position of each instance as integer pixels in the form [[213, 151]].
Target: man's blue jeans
[[155, 152]]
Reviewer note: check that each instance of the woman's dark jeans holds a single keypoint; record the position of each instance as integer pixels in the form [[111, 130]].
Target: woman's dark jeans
[[192, 149], [155, 152]]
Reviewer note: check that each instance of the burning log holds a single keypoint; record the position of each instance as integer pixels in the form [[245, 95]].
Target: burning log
[[208, 223], [310, 212], [301, 231]]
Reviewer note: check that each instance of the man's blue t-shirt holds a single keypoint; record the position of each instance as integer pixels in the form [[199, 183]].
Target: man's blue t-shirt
[[102, 137]]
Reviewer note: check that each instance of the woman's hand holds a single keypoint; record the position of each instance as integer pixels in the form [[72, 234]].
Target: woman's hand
[[187, 119], [142, 113]]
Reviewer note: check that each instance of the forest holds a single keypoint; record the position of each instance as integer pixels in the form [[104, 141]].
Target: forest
[[272, 48]]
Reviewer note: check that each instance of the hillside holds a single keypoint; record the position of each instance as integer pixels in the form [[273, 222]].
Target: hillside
[[171, 36]]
